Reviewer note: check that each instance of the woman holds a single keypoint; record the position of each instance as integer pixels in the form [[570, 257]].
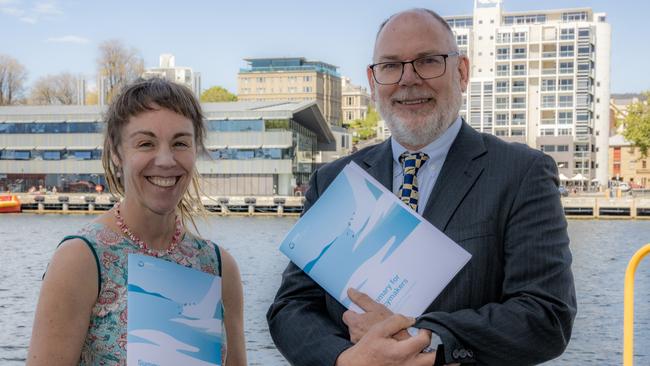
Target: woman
[[154, 133]]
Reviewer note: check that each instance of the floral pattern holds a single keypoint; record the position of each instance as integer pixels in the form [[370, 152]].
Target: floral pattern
[[105, 342]]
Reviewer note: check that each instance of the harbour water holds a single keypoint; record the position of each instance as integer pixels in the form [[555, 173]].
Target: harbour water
[[601, 251]]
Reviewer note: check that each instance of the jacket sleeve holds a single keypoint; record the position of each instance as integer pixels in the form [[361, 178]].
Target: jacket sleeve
[[298, 319], [532, 322]]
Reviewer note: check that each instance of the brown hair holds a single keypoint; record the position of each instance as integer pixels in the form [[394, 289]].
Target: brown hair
[[148, 95]]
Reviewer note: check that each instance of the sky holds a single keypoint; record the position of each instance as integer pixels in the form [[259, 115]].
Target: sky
[[213, 37]]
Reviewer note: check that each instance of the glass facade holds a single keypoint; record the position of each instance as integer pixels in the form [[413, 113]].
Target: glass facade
[[56, 127], [50, 154]]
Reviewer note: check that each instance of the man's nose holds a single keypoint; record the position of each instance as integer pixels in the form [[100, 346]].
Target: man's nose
[[409, 76]]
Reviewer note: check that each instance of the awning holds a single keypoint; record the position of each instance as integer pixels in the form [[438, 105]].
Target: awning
[[563, 177], [83, 148], [215, 147], [53, 148], [579, 178], [276, 146], [19, 148]]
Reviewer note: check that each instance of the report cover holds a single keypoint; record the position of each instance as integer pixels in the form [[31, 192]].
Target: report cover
[[359, 234], [175, 314]]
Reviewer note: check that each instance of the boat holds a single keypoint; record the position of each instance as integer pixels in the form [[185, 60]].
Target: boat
[[9, 203]]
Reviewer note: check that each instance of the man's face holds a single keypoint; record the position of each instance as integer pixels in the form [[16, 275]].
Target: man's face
[[416, 110]]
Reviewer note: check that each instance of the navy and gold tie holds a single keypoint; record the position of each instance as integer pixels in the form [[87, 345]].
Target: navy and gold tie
[[411, 163]]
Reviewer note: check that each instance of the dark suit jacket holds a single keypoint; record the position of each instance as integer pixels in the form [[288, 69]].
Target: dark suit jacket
[[512, 304]]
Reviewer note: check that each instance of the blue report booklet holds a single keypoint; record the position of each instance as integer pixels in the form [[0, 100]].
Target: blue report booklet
[[175, 314], [359, 234]]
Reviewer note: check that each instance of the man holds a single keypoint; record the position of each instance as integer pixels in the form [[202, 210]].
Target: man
[[514, 302]]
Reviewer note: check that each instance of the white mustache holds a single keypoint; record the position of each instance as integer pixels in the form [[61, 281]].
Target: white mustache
[[409, 95]]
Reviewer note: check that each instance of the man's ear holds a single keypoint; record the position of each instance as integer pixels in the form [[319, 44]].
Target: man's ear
[[463, 71], [371, 83]]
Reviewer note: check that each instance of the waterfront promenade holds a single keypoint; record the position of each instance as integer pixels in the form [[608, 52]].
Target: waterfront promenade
[[586, 206]]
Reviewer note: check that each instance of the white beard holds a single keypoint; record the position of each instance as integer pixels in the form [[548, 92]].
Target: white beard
[[443, 115]]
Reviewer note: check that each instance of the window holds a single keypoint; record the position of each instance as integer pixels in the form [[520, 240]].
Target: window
[[307, 89], [566, 67], [548, 101], [575, 16], [547, 132], [461, 39], [547, 148], [502, 87], [306, 78], [548, 84], [503, 53], [501, 119], [565, 101], [517, 132], [519, 69], [503, 70], [584, 51], [502, 102], [519, 119], [566, 84], [518, 102], [566, 50], [501, 132], [518, 86], [567, 34], [519, 52], [583, 32], [51, 155], [519, 37], [562, 148], [259, 79], [565, 117], [503, 37], [564, 132], [15, 155]]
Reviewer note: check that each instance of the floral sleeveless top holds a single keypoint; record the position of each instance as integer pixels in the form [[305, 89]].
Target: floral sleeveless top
[[105, 342]]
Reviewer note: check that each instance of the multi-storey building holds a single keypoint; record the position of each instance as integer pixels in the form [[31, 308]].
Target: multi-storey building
[[292, 79], [255, 148], [627, 164], [355, 101], [540, 78], [179, 74]]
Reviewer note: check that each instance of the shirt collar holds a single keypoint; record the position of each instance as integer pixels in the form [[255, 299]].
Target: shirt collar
[[437, 148]]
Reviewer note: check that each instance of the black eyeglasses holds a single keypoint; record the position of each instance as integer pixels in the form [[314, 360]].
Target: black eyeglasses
[[427, 67]]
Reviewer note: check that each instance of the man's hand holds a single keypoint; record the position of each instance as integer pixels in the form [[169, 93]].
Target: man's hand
[[359, 324], [378, 347]]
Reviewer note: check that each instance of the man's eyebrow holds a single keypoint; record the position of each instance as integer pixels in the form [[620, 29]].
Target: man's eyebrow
[[182, 134], [386, 58]]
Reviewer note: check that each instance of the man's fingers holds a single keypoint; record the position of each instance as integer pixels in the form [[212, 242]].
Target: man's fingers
[[425, 359], [364, 301], [392, 325], [349, 317], [417, 343]]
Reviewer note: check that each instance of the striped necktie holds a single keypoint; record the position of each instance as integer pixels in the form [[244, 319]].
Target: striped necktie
[[411, 163]]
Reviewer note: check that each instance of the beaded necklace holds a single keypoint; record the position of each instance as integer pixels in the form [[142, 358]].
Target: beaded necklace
[[141, 244]]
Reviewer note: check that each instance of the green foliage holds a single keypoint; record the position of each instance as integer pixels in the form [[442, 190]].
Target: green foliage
[[637, 125], [217, 94], [365, 128]]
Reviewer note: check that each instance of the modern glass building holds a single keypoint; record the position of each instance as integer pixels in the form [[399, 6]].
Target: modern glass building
[[255, 148]]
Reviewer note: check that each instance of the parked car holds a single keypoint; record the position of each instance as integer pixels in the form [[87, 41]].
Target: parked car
[[563, 191]]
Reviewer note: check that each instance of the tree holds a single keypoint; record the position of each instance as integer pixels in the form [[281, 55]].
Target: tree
[[217, 94], [637, 125], [12, 80], [55, 89], [117, 66], [365, 128], [92, 98]]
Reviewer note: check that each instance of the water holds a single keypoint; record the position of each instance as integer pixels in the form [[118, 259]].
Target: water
[[601, 251]]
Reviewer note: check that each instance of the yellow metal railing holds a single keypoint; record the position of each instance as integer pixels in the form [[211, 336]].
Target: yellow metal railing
[[628, 305]]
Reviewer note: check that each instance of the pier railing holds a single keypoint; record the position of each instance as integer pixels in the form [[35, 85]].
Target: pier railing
[[628, 305]]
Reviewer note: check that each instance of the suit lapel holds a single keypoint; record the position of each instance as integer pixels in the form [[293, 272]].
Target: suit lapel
[[378, 162], [459, 172]]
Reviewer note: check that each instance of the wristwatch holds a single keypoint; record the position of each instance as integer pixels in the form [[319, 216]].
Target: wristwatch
[[435, 340]]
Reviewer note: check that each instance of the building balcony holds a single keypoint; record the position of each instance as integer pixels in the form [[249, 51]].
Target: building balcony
[[547, 121], [548, 105], [567, 54], [519, 56], [548, 71], [518, 72], [518, 105], [518, 89], [549, 54]]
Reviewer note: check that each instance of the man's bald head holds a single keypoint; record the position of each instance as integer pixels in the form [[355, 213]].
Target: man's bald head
[[420, 12]]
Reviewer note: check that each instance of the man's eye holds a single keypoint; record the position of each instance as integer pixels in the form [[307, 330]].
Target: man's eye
[[389, 66], [429, 61], [181, 144], [145, 144]]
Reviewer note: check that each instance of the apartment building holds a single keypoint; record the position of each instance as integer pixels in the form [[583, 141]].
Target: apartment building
[[355, 100], [168, 70], [292, 79], [541, 78]]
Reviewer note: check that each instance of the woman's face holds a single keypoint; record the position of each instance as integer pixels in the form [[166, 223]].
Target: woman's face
[[158, 155]]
